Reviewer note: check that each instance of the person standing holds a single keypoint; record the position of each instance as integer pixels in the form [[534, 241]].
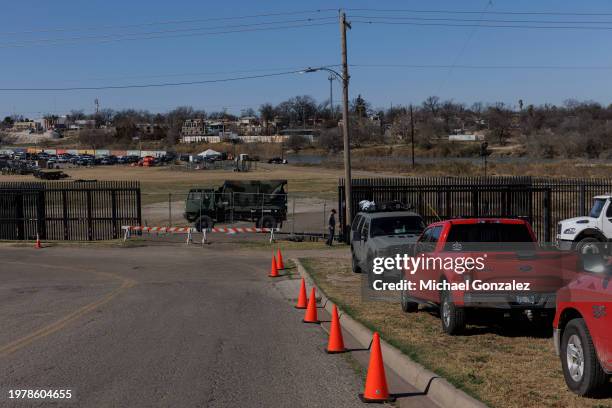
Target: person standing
[[331, 226]]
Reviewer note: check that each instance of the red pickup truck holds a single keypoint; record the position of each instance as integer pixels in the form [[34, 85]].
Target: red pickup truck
[[484, 263], [583, 326]]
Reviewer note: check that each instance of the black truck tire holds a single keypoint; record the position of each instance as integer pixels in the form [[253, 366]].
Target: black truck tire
[[407, 305], [267, 221], [453, 317], [204, 222], [588, 245], [583, 374]]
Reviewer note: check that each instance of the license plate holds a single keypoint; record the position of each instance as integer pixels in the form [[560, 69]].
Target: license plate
[[526, 299]]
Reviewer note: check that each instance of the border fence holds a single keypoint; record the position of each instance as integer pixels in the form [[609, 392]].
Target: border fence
[[74, 210], [541, 201]]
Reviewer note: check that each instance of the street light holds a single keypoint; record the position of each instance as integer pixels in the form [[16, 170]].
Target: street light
[[347, 143], [332, 75]]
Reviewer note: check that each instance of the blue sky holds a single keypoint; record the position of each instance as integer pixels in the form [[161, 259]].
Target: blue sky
[[203, 57]]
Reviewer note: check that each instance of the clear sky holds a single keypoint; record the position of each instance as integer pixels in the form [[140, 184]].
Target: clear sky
[[101, 50]]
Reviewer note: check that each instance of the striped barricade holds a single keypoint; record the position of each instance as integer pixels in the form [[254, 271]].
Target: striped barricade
[[159, 230], [238, 230], [190, 230]]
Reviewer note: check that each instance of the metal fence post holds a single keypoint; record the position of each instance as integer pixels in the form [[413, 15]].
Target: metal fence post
[[582, 197], [324, 211], [293, 218], [170, 209], [547, 216]]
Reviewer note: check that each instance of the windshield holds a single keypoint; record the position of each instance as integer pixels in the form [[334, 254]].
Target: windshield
[[598, 205], [397, 226]]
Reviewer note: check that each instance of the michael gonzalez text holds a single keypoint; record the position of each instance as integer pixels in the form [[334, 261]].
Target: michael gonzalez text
[[432, 284]]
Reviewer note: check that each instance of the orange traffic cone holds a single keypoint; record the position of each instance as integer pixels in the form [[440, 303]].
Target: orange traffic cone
[[37, 245], [279, 260], [376, 389], [311, 310], [336, 342], [273, 269], [302, 300]]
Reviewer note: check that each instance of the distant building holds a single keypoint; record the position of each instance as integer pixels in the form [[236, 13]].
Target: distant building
[[249, 125], [465, 138], [26, 125], [200, 139], [83, 124], [194, 127]]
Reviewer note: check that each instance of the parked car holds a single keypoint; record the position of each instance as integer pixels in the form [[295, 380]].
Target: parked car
[[583, 326], [509, 253], [147, 161], [108, 160], [277, 160], [375, 234], [585, 234]]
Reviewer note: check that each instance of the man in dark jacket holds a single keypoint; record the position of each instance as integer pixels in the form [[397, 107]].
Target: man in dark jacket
[[331, 226]]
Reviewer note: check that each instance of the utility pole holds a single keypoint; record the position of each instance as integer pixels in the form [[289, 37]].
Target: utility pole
[[345, 128], [412, 133], [331, 97]]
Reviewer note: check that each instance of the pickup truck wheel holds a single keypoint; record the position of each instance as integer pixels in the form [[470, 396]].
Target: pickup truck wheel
[[354, 265], [588, 245], [408, 306], [267, 221], [453, 317], [204, 222], [581, 369]]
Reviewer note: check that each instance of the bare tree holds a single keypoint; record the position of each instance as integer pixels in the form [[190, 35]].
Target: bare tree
[[432, 104]]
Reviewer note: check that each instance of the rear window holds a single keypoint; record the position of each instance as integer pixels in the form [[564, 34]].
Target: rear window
[[489, 233], [397, 226]]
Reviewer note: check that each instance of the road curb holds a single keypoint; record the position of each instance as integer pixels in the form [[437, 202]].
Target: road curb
[[438, 389]]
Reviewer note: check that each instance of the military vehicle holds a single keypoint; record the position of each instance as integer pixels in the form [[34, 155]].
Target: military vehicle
[[262, 202]]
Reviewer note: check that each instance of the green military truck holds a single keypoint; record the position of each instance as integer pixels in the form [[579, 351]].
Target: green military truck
[[262, 202]]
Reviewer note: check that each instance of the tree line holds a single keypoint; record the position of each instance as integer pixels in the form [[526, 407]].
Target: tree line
[[572, 129]]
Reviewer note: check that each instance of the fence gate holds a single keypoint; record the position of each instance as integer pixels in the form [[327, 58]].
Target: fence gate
[[541, 201], [84, 211]]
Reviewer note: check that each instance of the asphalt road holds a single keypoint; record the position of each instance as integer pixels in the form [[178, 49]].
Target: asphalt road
[[160, 327]]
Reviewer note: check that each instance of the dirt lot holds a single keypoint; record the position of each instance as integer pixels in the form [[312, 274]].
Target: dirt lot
[[157, 182], [502, 365]]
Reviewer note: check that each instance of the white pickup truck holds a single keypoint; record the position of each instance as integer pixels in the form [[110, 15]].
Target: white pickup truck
[[587, 234]]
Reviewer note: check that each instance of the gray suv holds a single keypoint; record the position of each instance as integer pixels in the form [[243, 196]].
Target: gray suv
[[382, 234]]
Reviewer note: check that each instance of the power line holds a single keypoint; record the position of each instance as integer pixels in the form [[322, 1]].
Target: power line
[[150, 85], [185, 74], [535, 13], [485, 20], [170, 22], [483, 25], [520, 67], [161, 34]]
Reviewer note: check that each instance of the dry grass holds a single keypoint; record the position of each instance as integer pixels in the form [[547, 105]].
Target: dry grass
[[500, 365], [565, 168], [157, 182]]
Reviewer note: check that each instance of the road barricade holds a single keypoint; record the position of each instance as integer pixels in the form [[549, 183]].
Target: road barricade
[[128, 229]]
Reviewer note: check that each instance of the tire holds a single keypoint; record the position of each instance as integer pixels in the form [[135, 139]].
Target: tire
[[587, 243], [453, 317], [581, 369], [203, 222], [267, 221], [407, 305], [354, 265]]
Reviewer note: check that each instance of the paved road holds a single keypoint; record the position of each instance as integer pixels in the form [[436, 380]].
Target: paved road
[[160, 326]]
